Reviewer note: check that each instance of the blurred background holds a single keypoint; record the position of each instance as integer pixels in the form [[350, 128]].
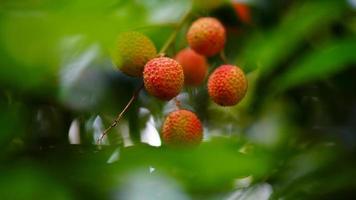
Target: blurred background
[[292, 137]]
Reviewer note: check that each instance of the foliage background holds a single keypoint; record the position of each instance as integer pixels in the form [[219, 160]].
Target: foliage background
[[292, 137]]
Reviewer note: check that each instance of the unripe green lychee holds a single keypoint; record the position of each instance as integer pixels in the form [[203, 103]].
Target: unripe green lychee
[[194, 66], [206, 36], [163, 78], [132, 51], [227, 85], [182, 128]]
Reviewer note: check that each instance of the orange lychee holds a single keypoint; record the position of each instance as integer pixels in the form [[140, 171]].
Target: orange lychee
[[227, 85], [132, 51], [206, 36], [163, 78], [182, 128], [194, 66]]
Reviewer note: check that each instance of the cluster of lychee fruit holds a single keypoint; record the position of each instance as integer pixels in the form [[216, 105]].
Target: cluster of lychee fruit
[[164, 77]]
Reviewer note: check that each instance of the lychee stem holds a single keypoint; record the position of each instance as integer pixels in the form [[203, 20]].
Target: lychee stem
[[223, 57], [178, 103], [157, 25], [173, 36], [118, 118]]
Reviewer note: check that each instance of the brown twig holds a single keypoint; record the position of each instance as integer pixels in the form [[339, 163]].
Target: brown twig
[[118, 118]]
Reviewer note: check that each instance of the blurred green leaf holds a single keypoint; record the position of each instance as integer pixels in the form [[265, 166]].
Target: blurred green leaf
[[11, 123], [30, 183], [266, 50], [217, 162], [329, 59]]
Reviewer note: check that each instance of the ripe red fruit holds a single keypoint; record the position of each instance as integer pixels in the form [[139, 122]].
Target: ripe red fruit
[[163, 78], [206, 36], [194, 66], [227, 85], [182, 128], [243, 12], [132, 51]]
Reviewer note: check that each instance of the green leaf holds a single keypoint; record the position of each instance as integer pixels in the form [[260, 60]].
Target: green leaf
[[266, 50], [214, 165], [330, 59]]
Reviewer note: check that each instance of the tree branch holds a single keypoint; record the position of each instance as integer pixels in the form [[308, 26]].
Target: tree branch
[[118, 118]]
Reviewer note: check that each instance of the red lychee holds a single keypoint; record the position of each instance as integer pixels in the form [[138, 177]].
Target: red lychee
[[243, 11], [227, 85], [132, 51], [182, 128], [206, 36], [194, 66], [163, 78]]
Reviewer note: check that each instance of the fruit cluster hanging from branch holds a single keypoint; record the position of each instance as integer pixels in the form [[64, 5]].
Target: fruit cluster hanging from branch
[[164, 77]]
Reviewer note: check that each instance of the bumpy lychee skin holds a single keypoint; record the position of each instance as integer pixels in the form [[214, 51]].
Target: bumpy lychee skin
[[194, 66], [227, 85], [133, 50], [163, 78], [182, 128], [206, 36]]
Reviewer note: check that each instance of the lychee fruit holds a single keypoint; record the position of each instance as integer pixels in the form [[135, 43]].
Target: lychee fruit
[[194, 66], [163, 78], [243, 11], [227, 85], [206, 36], [182, 128], [132, 51]]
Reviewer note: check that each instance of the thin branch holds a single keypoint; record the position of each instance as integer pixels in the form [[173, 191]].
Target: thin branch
[[178, 103], [158, 25], [223, 57], [173, 36], [118, 118]]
